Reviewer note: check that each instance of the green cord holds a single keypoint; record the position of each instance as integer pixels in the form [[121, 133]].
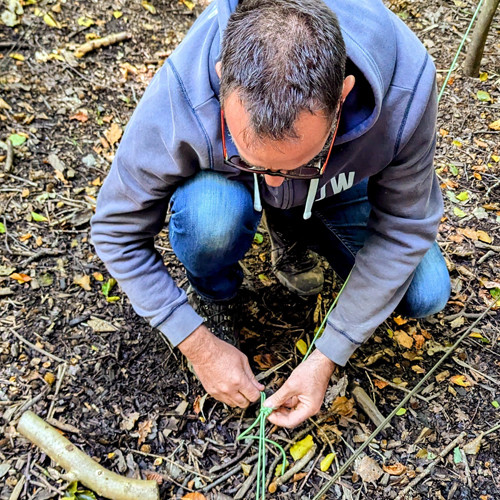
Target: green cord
[[261, 459]]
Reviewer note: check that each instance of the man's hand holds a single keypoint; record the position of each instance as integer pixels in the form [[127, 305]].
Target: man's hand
[[222, 369], [301, 396]]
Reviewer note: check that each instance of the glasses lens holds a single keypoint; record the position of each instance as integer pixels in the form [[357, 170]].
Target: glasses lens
[[305, 172]]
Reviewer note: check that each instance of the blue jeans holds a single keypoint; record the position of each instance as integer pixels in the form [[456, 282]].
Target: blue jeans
[[213, 224]]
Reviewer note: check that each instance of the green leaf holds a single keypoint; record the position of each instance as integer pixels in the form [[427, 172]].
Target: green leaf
[[483, 96], [2, 228], [453, 169], [451, 196], [46, 279], [71, 490], [112, 299], [258, 238], [457, 455], [108, 286], [458, 212], [495, 404], [495, 293], [431, 456], [463, 196], [401, 412], [85, 495], [17, 139], [38, 217]]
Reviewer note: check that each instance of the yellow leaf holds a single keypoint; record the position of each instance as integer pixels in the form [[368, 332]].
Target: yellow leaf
[[495, 158], [51, 21], [476, 335], [456, 143], [484, 236], [495, 125], [301, 346], [299, 449], [85, 21], [17, 57], [326, 462], [279, 469], [98, 276], [149, 7], [50, 378], [460, 380], [83, 281], [188, 4], [114, 133], [399, 320], [117, 14], [483, 76]]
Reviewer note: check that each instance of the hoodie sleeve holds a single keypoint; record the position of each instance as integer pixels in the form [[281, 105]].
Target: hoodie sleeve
[[162, 145], [406, 210]]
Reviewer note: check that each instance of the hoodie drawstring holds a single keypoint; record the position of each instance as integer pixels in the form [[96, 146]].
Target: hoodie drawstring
[[311, 194]]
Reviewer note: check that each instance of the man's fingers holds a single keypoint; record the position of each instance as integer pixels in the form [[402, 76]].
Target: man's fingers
[[280, 397], [255, 383], [289, 418]]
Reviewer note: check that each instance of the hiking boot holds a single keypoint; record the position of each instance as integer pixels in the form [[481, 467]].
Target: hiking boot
[[296, 267], [219, 317]]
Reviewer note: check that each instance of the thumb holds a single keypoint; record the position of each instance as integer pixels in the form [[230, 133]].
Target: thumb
[[251, 377], [280, 397]]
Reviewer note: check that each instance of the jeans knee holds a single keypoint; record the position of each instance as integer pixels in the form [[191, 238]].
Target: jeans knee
[[421, 305], [212, 223]]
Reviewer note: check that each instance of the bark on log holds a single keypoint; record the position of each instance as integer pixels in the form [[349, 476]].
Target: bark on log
[[81, 466], [479, 35]]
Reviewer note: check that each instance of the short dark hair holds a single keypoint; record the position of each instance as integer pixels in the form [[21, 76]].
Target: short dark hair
[[282, 57]]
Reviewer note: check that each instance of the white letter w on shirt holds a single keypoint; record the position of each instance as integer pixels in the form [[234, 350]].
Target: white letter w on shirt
[[337, 184]]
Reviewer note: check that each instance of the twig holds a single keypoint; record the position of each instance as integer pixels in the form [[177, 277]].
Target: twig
[[469, 367], [17, 490], [493, 429], [311, 470], [367, 405], [101, 42], [486, 246], [382, 426], [47, 252], [265, 374], [486, 256], [298, 466], [10, 156], [428, 469], [227, 464], [228, 474], [249, 481], [37, 349], [393, 385], [61, 370]]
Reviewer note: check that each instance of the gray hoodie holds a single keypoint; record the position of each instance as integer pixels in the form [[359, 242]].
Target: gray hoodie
[[386, 134]]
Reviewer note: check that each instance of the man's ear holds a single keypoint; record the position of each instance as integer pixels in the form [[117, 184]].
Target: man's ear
[[348, 86], [218, 68]]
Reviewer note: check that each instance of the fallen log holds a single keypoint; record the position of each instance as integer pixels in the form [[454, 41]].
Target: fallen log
[[81, 467]]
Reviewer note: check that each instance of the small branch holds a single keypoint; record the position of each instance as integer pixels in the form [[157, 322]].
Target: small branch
[[428, 469], [367, 405], [265, 374], [48, 252], [10, 156], [101, 42], [37, 349], [81, 466], [297, 467], [463, 364]]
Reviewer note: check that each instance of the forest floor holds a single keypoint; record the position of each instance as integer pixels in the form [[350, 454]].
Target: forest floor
[[75, 353]]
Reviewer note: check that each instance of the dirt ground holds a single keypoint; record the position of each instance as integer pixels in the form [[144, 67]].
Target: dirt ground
[[74, 352]]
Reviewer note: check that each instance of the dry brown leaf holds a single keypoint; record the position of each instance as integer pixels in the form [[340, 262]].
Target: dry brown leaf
[[83, 281], [484, 236], [399, 320], [100, 325], [25, 237], [472, 447], [418, 369], [495, 125], [81, 116], [394, 470], [468, 233], [403, 339], [419, 341], [154, 476], [265, 361], [368, 470], [343, 406], [114, 133], [195, 496], [440, 377], [144, 429], [380, 383]]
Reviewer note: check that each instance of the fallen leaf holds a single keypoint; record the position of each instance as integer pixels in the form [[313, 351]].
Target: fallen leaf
[[460, 380], [301, 346], [199, 403], [403, 339], [17, 139], [194, 496], [81, 116], [495, 125], [144, 429], [368, 470], [327, 462], [20, 277], [188, 4], [419, 341], [380, 383], [343, 406], [17, 56], [484, 236], [458, 212], [129, 420], [38, 217], [98, 276], [149, 7], [25, 237], [483, 96], [440, 377], [300, 448], [463, 196], [399, 320], [457, 456], [113, 134], [298, 476], [472, 447], [85, 21], [100, 325], [265, 361], [83, 281], [418, 369], [51, 21], [401, 412], [395, 470]]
